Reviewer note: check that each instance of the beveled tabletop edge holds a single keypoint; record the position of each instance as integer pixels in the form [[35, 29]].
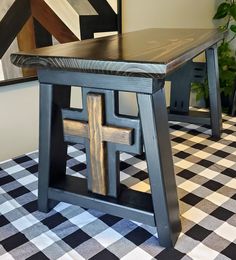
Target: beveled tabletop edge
[[120, 68], [192, 54], [114, 67]]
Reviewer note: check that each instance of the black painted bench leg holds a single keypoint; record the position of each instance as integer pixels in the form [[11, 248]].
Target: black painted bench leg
[[214, 91], [52, 148], [180, 89], [154, 121]]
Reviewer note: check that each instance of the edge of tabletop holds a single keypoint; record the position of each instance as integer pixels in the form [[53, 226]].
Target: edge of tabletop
[[114, 67]]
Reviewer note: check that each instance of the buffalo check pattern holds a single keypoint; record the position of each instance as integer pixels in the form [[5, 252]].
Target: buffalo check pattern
[[206, 178]]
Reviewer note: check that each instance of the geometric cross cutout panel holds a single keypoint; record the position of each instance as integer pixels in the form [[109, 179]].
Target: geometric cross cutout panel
[[98, 134]]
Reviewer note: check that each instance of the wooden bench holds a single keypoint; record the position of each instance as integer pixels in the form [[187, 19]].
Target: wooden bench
[[137, 62]]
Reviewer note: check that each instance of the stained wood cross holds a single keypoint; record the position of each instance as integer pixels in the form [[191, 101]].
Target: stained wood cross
[[98, 133]]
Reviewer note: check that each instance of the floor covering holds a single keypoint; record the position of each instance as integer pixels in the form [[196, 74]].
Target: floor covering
[[206, 177]]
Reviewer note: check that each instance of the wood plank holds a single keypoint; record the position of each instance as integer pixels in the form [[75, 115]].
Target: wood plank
[[82, 7], [114, 4], [53, 24], [9, 70], [26, 42], [130, 204], [98, 164], [14, 19], [109, 133], [102, 7], [107, 20], [25, 38], [69, 12], [11, 81], [117, 135], [158, 52], [5, 5], [105, 82], [72, 127], [42, 37], [69, 17], [92, 24]]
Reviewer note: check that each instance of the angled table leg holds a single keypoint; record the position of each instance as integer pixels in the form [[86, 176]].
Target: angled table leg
[[52, 148], [180, 89], [155, 128], [214, 91]]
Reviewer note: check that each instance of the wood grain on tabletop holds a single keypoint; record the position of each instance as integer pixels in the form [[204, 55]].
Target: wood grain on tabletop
[[155, 51]]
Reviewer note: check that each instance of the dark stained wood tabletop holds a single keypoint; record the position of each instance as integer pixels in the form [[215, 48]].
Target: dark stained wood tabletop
[[154, 52]]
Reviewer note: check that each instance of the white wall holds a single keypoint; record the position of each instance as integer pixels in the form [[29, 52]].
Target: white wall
[[19, 104], [18, 119], [139, 14]]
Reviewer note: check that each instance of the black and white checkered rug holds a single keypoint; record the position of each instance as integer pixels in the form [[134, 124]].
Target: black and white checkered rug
[[206, 178]]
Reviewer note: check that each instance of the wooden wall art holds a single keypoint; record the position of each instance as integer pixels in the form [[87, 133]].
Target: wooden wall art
[[27, 24]]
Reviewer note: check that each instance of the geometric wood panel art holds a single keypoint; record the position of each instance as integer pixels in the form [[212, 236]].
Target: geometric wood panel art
[[5, 5], [34, 22], [9, 44], [23, 45], [71, 17]]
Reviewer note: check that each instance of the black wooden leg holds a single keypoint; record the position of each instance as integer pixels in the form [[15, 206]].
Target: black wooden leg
[[52, 148], [180, 89], [214, 91], [155, 128]]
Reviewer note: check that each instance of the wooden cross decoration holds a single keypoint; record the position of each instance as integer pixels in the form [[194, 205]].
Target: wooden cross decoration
[[98, 133]]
